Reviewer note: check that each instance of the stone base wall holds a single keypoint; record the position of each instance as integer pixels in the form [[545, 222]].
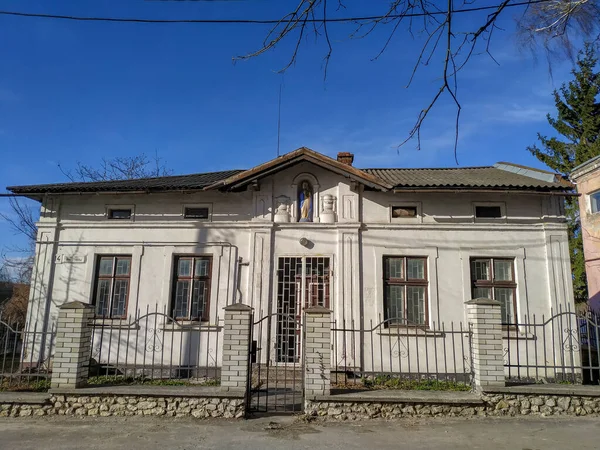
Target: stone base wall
[[493, 405], [365, 410], [105, 406], [541, 405]]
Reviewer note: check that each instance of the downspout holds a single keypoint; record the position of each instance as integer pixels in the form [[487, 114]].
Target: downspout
[[240, 263], [361, 297]]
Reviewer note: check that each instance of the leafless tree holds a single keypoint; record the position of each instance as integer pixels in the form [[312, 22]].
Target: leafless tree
[[553, 23], [119, 168], [22, 216]]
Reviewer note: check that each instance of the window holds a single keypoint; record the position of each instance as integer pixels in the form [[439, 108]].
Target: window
[[200, 212], [400, 212], [405, 290], [119, 214], [112, 286], [488, 212], [191, 287], [495, 278], [595, 202]]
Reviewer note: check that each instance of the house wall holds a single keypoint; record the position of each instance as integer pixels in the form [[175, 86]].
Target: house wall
[[588, 183], [73, 230]]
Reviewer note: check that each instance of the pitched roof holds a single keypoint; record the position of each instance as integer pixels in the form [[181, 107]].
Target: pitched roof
[[501, 176], [169, 183]]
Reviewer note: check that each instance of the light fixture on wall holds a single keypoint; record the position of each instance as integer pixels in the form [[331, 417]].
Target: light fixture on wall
[[303, 242]]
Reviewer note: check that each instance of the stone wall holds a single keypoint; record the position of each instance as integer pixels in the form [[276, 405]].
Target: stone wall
[[493, 405], [106, 405], [541, 405]]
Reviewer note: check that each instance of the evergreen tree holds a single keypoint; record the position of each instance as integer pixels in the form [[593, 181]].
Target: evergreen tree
[[578, 122]]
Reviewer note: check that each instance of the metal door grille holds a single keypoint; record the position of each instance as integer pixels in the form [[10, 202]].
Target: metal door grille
[[289, 281], [318, 274], [276, 373]]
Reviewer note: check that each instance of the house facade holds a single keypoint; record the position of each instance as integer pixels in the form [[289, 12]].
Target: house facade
[[394, 248], [587, 179]]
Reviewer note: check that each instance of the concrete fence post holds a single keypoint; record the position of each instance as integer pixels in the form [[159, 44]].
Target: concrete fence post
[[317, 352], [484, 316], [70, 365], [236, 347]]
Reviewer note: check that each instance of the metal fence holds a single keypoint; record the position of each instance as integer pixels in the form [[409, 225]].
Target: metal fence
[[25, 356], [396, 351], [155, 347], [560, 348]]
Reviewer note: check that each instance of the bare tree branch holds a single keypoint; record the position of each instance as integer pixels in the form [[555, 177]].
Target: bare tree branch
[[551, 21], [22, 219], [119, 168]]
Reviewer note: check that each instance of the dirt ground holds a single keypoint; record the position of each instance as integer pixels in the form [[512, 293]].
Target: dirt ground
[[53, 433]]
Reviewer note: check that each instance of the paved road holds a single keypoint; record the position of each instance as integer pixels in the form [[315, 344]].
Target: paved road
[[53, 433]]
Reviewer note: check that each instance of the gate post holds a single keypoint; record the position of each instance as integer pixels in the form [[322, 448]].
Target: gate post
[[70, 365], [484, 316], [317, 352], [236, 347]]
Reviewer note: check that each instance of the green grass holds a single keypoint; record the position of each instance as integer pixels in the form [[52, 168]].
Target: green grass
[[389, 382], [24, 385], [119, 380]]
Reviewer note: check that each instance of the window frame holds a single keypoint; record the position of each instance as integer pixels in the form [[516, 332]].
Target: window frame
[[208, 206], [110, 207], [192, 277], [417, 217], [406, 282], [594, 202], [111, 210], [492, 283], [113, 277], [500, 205]]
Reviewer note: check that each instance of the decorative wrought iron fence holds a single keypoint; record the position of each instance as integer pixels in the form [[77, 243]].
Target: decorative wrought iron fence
[[155, 347], [560, 348], [395, 351], [25, 356]]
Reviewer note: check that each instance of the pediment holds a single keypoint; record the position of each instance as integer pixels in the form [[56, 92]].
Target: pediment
[[243, 179]]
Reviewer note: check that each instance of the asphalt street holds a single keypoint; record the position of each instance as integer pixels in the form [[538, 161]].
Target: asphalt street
[[53, 433]]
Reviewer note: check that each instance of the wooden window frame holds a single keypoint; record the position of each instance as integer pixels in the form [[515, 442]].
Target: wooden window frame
[[113, 278], [406, 282], [491, 284], [191, 278]]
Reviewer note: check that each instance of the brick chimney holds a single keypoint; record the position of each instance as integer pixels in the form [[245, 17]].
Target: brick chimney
[[345, 158]]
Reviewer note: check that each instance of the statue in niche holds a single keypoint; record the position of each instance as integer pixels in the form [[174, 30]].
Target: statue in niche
[[305, 202]]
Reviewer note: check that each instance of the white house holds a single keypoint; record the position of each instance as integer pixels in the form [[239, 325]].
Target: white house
[[404, 246]]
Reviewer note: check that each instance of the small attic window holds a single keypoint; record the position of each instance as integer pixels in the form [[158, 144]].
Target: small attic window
[[401, 212], [196, 212], [488, 212], [119, 214]]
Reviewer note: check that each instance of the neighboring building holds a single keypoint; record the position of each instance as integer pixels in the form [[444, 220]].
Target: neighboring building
[[587, 178], [409, 246]]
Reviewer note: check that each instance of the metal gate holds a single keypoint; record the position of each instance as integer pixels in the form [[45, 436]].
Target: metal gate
[[276, 382], [276, 374]]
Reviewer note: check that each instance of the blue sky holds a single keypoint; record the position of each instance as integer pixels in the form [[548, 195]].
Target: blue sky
[[80, 91]]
